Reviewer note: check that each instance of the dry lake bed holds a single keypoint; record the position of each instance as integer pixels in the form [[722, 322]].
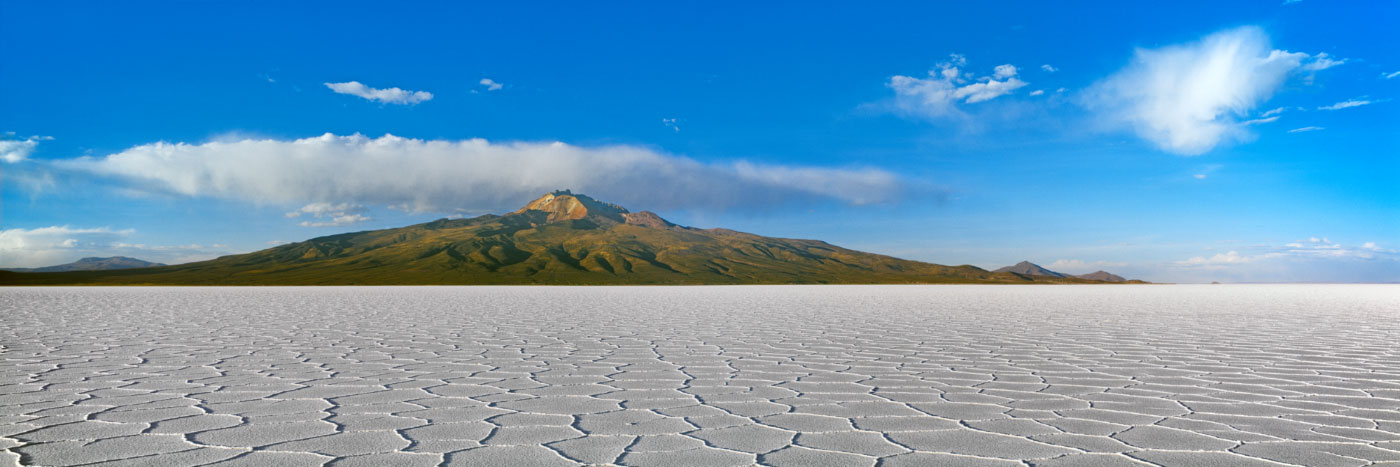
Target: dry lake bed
[[680, 376]]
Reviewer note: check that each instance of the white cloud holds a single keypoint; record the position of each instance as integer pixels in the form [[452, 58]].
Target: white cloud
[[15, 150], [1049, 68], [1004, 71], [337, 221], [1037, 92], [1260, 121], [1272, 112], [1204, 171], [491, 85], [938, 95], [1314, 259], [327, 210], [1232, 257], [1392, 75], [473, 175], [1321, 62], [671, 123], [1309, 249], [388, 96], [339, 214], [1306, 129], [1346, 104], [988, 90], [1188, 98]]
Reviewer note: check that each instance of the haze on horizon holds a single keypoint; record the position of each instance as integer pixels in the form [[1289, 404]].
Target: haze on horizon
[[1246, 142]]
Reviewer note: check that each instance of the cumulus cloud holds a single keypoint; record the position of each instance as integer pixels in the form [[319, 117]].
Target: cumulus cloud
[[1347, 104], [387, 96], [938, 95], [13, 150], [48, 246], [1004, 71], [468, 175], [491, 85], [1187, 99]]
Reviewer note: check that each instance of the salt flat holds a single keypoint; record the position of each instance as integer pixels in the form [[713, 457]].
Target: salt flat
[[782, 375]]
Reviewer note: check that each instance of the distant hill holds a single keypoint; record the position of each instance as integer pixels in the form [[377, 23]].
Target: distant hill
[[93, 264], [1030, 269], [560, 238], [1102, 276]]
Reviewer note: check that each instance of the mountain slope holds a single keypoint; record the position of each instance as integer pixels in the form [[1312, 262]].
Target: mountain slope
[[94, 264], [560, 238]]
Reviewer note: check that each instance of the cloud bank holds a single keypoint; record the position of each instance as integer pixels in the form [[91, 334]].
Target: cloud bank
[[472, 175], [1311, 260], [48, 246], [387, 96], [1189, 98]]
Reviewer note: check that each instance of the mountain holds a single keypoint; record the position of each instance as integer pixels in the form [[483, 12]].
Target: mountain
[[1030, 269], [559, 238], [94, 264], [1103, 276]]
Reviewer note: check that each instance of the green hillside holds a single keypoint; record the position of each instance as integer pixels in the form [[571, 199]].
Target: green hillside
[[558, 239]]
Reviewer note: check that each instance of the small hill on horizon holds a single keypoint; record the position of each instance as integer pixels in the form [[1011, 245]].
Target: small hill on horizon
[[560, 238], [93, 263], [1030, 269], [1101, 275], [1027, 268]]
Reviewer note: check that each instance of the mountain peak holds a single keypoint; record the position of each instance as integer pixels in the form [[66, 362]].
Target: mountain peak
[[1030, 269], [1103, 276], [564, 205]]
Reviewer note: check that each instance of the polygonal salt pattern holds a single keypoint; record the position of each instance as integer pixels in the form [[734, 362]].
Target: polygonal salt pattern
[[724, 376]]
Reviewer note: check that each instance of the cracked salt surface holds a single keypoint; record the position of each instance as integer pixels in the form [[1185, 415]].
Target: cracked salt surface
[[671, 376]]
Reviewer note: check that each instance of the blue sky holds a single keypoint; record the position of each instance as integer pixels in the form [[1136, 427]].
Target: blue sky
[[1254, 141]]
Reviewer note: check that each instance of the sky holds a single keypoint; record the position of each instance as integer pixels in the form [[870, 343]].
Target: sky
[[1172, 141]]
